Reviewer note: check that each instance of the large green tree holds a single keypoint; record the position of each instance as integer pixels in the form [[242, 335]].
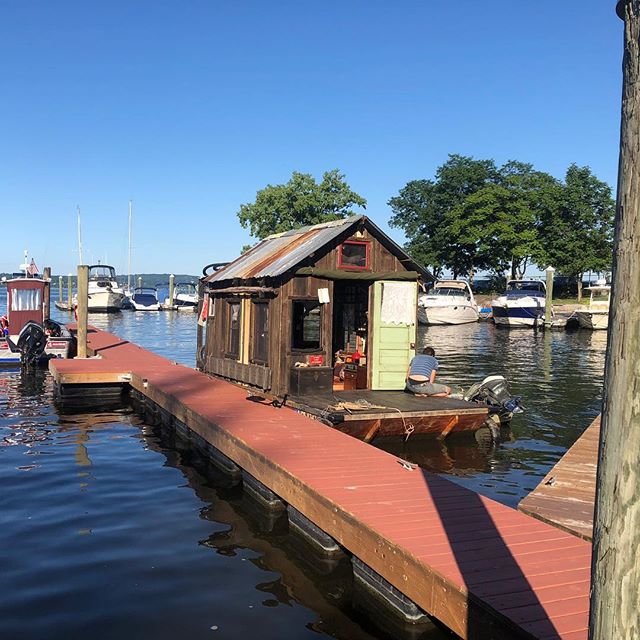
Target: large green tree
[[301, 201], [577, 235], [423, 210], [501, 220]]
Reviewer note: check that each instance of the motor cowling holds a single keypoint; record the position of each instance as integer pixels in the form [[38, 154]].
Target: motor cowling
[[31, 342], [494, 392]]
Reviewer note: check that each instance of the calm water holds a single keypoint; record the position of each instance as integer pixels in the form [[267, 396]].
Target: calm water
[[109, 529]]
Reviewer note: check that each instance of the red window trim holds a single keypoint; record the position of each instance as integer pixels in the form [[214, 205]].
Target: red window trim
[[367, 266]]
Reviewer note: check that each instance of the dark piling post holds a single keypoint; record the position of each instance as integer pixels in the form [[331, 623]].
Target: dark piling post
[[615, 579], [83, 309], [46, 303]]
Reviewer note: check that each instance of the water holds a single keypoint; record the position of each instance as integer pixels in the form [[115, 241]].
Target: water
[[108, 529]]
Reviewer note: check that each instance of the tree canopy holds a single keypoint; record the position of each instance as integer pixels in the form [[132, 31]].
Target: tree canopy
[[300, 202], [476, 216]]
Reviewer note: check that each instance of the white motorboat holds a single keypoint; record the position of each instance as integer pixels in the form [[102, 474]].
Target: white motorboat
[[448, 302], [521, 305], [104, 293], [145, 299], [596, 315], [185, 297]]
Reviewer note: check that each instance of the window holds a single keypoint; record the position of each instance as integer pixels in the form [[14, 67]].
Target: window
[[306, 325], [233, 345], [260, 345], [25, 300], [354, 255]]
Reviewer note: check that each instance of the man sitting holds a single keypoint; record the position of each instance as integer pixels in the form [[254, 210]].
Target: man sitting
[[421, 375]]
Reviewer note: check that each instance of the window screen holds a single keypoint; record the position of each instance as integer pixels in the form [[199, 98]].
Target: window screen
[[26, 300], [354, 255], [306, 325]]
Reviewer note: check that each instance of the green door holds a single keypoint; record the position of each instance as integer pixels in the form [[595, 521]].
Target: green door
[[394, 332]]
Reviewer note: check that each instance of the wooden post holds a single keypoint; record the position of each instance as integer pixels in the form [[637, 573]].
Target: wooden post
[[46, 302], [548, 307], [171, 285], [615, 576], [70, 291], [83, 309], [139, 281], [60, 288]]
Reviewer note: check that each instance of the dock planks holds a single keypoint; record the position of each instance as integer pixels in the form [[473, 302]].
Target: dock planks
[[566, 495], [481, 568]]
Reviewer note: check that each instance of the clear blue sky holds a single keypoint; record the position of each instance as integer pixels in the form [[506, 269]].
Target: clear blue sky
[[189, 107]]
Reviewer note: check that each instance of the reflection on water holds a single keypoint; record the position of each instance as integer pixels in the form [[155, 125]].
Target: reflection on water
[[110, 530]]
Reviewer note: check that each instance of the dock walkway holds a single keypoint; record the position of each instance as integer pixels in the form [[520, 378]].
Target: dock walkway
[[566, 495], [481, 568]]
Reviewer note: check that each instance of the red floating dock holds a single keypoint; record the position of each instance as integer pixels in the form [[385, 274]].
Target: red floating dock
[[481, 568]]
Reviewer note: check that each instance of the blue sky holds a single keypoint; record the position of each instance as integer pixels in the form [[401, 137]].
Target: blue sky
[[188, 108]]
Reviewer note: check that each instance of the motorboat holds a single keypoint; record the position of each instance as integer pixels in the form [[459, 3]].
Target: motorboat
[[104, 293], [521, 305], [145, 299], [185, 297], [27, 334], [596, 315], [448, 302]]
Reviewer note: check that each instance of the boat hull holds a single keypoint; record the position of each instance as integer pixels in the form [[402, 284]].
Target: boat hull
[[455, 314], [105, 301], [593, 320], [517, 316]]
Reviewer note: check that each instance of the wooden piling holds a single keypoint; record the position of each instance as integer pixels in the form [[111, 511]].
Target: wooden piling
[[139, 281], [83, 309], [46, 301], [171, 286], [70, 290], [548, 307], [60, 288], [615, 570]]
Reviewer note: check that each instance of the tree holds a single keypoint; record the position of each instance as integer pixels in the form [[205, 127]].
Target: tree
[[298, 203], [500, 220], [577, 235], [423, 210]]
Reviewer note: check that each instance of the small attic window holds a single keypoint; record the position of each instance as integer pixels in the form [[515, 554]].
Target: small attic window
[[354, 255]]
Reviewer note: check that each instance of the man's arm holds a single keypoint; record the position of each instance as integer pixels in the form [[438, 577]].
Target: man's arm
[[432, 379]]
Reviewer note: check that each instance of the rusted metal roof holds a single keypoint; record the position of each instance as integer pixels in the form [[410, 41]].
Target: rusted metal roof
[[282, 252]]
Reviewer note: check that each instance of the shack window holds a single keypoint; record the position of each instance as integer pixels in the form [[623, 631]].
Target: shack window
[[233, 345], [260, 343], [25, 300], [306, 325], [354, 255]]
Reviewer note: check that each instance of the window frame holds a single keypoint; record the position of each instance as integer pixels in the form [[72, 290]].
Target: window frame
[[254, 332], [366, 244], [228, 343], [319, 348]]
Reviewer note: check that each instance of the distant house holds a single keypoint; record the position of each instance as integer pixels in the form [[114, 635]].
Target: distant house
[[283, 316]]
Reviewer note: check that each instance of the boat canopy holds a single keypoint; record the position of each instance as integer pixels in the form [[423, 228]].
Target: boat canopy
[[519, 288], [101, 272]]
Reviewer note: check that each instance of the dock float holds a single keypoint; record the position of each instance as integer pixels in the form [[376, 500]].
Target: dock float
[[566, 496], [484, 570]]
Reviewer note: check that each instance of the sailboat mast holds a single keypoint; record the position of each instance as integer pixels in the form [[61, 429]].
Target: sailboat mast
[[79, 238], [129, 266]]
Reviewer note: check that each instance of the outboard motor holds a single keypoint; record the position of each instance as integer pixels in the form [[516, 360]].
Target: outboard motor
[[31, 343], [494, 391]]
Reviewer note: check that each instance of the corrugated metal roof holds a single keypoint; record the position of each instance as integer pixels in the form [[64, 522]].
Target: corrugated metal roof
[[281, 252]]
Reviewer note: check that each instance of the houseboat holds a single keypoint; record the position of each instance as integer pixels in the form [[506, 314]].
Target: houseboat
[[323, 318], [27, 334]]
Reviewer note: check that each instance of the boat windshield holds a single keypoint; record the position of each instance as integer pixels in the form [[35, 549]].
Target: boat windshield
[[186, 287], [447, 291], [145, 291], [102, 272], [526, 286]]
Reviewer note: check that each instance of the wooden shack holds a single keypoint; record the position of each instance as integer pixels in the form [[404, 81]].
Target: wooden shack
[[315, 312]]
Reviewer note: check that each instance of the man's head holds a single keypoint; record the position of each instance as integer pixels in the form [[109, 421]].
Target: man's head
[[428, 351]]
